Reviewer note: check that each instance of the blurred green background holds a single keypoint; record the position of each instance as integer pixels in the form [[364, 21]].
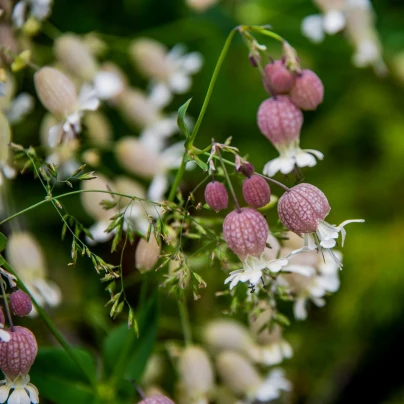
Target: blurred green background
[[352, 349]]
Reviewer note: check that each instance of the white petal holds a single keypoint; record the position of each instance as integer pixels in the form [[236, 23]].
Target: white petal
[[329, 283], [299, 308], [88, 98], [285, 165], [300, 269], [334, 21], [317, 153], [192, 62], [55, 135], [342, 230], [160, 95], [312, 28], [158, 188], [4, 335], [272, 354], [18, 15], [20, 106], [107, 85], [305, 159], [33, 393], [41, 9], [49, 291], [318, 301], [4, 393], [9, 172], [172, 156], [287, 349], [277, 265], [97, 230], [179, 83], [19, 396]]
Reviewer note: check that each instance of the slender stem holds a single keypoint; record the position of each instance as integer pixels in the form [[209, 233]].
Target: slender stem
[[59, 337], [184, 315], [177, 180], [219, 155], [3, 292], [81, 191], [263, 31]]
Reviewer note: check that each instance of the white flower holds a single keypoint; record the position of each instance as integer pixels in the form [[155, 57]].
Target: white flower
[[273, 385], [68, 130], [272, 353], [291, 155], [4, 335], [19, 107], [40, 9], [107, 84], [22, 392]]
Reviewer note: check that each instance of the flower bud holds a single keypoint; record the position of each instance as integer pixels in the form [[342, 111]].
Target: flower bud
[[245, 232], [195, 372], [56, 91], [256, 191], [244, 167], [280, 120], [301, 209], [99, 129], [147, 254], [216, 196], [18, 355], [156, 400], [280, 78], [75, 56], [308, 91], [20, 303], [237, 373]]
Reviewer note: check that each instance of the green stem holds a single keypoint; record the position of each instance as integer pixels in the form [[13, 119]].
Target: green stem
[[59, 337], [81, 191], [3, 292], [184, 316], [177, 180]]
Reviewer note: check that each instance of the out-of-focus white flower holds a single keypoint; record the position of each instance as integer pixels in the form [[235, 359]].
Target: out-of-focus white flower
[[201, 5], [26, 257], [170, 71], [22, 391], [19, 107], [5, 138], [39, 9]]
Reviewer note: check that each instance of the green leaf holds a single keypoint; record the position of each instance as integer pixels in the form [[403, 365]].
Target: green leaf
[[126, 356], [3, 242], [59, 379], [182, 110]]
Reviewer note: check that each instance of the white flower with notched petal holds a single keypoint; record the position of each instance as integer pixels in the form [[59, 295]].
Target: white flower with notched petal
[[273, 386], [39, 9], [22, 391]]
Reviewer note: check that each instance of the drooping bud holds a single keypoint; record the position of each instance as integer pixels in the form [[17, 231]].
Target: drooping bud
[[280, 120], [308, 91], [256, 191], [301, 209], [75, 56], [245, 232], [56, 91], [20, 303], [147, 254], [280, 78], [18, 354], [156, 400], [195, 373], [216, 196]]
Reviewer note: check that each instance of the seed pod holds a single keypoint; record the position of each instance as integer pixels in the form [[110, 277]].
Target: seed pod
[[195, 371], [256, 191], [56, 91], [75, 56], [308, 91], [216, 196], [156, 400], [2, 318], [245, 232], [280, 78], [280, 120], [20, 303], [18, 355], [301, 209], [147, 254]]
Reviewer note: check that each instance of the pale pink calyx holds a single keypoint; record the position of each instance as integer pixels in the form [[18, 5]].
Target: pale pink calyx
[[18, 354], [216, 196], [280, 79], [20, 303], [301, 209], [280, 120], [256, 191], [308, 90], [245, 232]]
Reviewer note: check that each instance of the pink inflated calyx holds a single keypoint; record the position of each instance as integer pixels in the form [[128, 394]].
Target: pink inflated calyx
[[245, 231], [302, 207], [18, 354], [308, 90], [279, 77], [216, 196], [20, 303], [280, 120], [256, 191]]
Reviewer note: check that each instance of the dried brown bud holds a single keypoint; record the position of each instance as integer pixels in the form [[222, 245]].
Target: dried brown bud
[[216, 196], [308, 91], [245, 232], [18, 355], [256, 191], [147, 254], [280, 78], [56, 91], [280, 120], [20, 303], [302, 207]]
